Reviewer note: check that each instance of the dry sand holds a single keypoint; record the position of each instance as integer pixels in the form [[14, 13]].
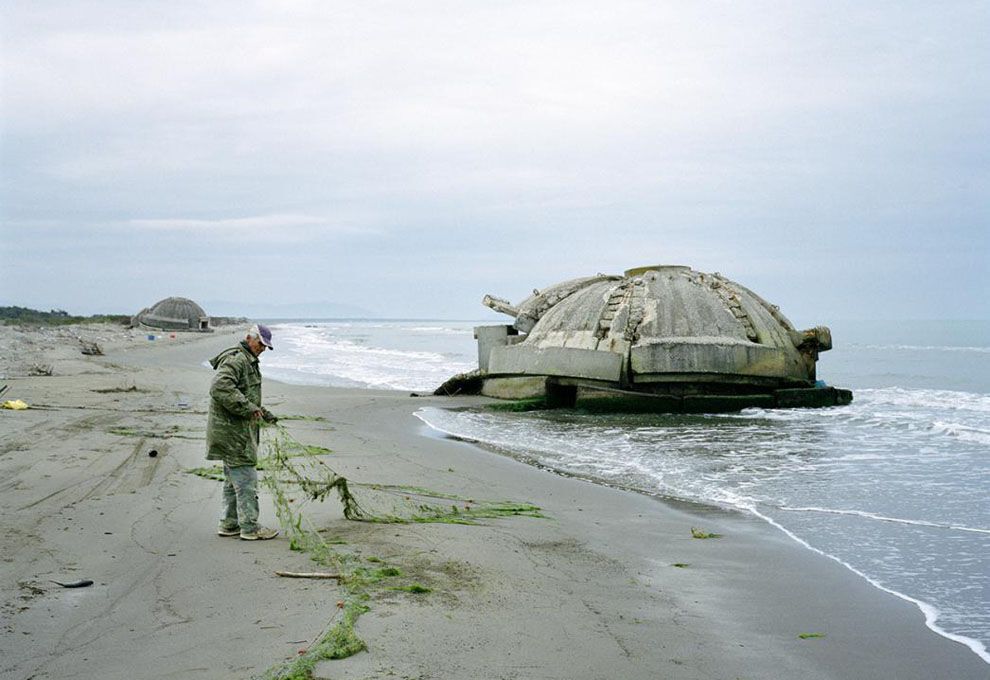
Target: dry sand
[[588, 592]]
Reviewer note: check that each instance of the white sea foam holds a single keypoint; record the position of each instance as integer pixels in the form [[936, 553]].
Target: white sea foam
[[963, 432], [746, 463], [924, 348], [364, 354], [883, 518], [961, 416], [441, 330], [930, 612], [912, 454], [951, 400]]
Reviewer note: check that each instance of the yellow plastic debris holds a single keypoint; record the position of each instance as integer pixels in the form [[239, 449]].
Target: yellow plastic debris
[[15, 404]]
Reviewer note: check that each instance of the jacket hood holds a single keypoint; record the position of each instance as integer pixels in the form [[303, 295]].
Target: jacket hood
[[216, 361]]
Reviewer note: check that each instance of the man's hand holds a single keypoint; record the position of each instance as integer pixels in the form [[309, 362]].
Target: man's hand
[[257, 413], [269, 417]]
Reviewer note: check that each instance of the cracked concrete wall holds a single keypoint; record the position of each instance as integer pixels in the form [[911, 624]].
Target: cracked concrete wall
[[655, 324]]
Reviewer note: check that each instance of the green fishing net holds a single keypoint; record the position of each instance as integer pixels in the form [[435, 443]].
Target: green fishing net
[[298, 474]]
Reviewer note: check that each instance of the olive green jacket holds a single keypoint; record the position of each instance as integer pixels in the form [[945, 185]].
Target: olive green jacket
[[235, 394]]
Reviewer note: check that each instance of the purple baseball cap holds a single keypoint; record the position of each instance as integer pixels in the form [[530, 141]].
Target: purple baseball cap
[[264, 334]]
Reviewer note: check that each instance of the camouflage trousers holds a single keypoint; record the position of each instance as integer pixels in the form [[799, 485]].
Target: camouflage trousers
[[240, 498]]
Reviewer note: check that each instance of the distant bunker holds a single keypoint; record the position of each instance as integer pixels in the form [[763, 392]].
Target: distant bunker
[[173, 314], [661, 338]]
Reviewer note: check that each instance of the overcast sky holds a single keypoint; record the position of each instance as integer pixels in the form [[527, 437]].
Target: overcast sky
[[406, 158]]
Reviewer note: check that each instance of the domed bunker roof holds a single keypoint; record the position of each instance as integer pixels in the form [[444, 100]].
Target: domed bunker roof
[[662, 329], [174, 314]]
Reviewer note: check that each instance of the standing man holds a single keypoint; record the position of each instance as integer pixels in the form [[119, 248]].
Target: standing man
[[232, 432]]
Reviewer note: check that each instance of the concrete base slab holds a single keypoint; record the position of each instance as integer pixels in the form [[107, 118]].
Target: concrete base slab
[[526, 387]]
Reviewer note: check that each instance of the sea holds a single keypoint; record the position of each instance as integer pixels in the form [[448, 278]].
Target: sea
[[893, 486]]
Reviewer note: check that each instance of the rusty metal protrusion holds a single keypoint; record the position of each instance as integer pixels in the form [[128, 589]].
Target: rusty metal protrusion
[[812, 340], [817, 339], [499, 305]]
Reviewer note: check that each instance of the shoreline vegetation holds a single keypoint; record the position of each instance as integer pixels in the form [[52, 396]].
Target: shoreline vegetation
[[25, 316], [448, 560], [56, 317]]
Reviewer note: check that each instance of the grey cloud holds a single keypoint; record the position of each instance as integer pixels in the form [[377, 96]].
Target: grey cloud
[[453, 149]]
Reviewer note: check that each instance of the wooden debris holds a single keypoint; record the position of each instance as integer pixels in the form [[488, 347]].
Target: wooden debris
[[90, 348], [307, 574], [41, 369]]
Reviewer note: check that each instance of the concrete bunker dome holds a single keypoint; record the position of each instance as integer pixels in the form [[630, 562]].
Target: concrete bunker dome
[[174, 314], [665, 331]]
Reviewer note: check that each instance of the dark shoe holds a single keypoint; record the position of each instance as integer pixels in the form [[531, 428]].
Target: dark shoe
[[223, 531], [259, 534]]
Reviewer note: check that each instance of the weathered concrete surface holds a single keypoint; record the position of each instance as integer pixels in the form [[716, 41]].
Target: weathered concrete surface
[[578, 363], [727, 357], [656, 328], [514, 388], [812, 398], [489, 337], [173, 314]]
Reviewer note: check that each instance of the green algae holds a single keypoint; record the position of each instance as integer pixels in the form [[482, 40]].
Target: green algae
[[698, 533], [482, 510], [413, 491], [315, 419], [810, 636], [423, 508], [215, 472], [339, 642], [174, 432], [293, 468], [520, 405], [468, 515]]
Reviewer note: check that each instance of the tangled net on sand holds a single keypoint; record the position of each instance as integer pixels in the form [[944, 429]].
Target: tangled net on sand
[[291, 463], [296, 473]]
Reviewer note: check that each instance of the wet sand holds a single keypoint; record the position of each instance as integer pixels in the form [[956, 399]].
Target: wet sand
[[589, 591]]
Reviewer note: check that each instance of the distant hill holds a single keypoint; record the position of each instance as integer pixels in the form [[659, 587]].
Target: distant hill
[[55, 317]]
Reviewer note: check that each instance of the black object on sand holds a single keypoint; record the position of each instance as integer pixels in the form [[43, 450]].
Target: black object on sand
[[82, 583], [153, 453]]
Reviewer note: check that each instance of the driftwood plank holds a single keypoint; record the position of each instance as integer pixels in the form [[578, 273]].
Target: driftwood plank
[[307, 574]]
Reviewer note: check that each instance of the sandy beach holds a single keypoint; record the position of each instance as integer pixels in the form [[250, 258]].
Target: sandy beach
[[606, 584]]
